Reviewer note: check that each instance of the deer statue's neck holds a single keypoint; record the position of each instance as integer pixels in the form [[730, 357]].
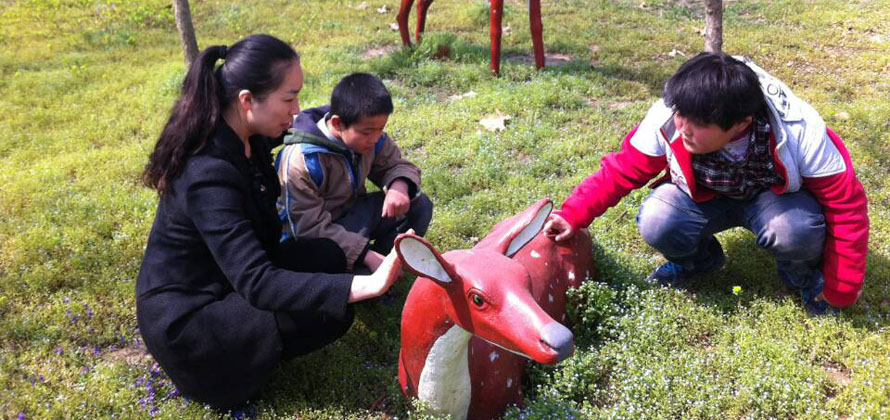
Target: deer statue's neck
[[444, 381]]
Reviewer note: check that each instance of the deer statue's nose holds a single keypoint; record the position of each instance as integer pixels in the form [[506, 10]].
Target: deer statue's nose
[[560, 339]]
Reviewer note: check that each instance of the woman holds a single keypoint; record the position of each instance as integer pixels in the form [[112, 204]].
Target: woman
[[219, 301]]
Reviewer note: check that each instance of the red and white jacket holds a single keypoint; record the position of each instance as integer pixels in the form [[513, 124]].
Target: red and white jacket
[[807, 154]]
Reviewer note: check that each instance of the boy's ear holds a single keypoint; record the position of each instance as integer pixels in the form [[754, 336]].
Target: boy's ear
[[337, 123]]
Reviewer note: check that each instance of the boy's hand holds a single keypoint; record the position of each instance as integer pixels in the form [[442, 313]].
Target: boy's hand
[[373, 260], [557, 228], [396, 203]]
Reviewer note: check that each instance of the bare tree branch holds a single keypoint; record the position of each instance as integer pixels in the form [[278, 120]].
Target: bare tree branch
[[714, 26], [186, 31]]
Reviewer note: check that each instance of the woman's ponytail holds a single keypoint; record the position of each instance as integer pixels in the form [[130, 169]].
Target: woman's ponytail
[[191, 121]]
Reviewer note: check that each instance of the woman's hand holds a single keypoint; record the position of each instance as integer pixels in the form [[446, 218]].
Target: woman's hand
[[376, 284], [557, 228]]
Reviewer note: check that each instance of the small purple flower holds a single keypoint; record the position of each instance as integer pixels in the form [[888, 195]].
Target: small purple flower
[[21, 416], [66, 300], [154, 411], [142, 402], [41, 378], [172, 393], [59, 351], [88, 311], [96, 350]]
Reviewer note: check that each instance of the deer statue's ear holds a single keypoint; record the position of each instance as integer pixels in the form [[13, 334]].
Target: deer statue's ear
[[509, 236], [531, 229], [422, 259]]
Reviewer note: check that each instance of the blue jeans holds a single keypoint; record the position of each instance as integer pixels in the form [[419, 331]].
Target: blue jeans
[[790, 227]]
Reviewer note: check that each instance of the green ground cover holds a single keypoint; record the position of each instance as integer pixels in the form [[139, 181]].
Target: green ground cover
[[85, 86]]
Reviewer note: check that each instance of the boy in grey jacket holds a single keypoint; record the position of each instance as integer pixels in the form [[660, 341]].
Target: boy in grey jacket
[[328, 154]]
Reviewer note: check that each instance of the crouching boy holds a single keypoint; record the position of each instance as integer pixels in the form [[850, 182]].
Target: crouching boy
[[740, 149], [328, 154]]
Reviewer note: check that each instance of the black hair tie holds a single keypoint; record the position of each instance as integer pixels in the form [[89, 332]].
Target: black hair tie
[[222, 53]]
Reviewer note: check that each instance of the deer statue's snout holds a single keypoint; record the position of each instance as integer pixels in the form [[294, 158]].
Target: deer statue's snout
[[560, 339]]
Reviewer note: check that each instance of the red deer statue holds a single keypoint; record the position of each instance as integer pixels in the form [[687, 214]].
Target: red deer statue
[[495, 17], [474, 317]]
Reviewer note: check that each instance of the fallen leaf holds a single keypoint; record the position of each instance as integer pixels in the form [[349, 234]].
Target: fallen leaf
[[469, 94], [507, 30], [593, 48], [644, 6], [362, 6], [383, 9], [495, 122], [394, 26], [843, 115], [676, 52]]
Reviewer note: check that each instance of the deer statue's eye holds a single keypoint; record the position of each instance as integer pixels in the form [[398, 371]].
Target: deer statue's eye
[[477, 300]]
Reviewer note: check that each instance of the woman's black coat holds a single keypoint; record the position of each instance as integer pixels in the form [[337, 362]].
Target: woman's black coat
[[208, 294]]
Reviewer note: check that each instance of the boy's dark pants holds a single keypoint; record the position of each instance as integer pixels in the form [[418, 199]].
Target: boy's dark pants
[[790, 226], [364, 218]]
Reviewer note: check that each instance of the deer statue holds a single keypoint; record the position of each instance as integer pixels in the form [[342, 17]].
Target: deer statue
[[474, 317], [495, 18]]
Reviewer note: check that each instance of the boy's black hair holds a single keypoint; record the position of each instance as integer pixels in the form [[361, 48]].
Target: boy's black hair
[[360, 95], [714, 88]]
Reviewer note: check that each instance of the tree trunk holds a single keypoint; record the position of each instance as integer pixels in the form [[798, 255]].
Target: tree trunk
[[186, 31], [714, 26]]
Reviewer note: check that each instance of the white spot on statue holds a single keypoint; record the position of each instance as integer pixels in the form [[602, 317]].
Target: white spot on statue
[[571, 275], [493, 355], [535, 254], [550, 297], [509, 382]]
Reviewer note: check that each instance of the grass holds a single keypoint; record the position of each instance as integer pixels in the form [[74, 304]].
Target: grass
[[85, 86]]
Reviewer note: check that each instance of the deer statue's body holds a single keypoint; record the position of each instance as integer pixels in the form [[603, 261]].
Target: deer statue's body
[[495, 21], [474, 317]]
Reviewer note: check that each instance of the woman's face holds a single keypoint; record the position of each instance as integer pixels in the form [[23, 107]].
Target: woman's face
[[274, 114]]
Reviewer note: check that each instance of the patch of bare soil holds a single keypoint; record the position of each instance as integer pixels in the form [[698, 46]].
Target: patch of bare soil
[[379, 51], [552, 60], [838, 374], [135, 355]]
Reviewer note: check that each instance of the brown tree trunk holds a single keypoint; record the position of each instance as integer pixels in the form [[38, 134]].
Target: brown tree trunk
[[714, 26], [186, 31]]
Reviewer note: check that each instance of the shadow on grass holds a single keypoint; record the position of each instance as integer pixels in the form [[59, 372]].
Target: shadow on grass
[[450, 48], [754, 270]]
